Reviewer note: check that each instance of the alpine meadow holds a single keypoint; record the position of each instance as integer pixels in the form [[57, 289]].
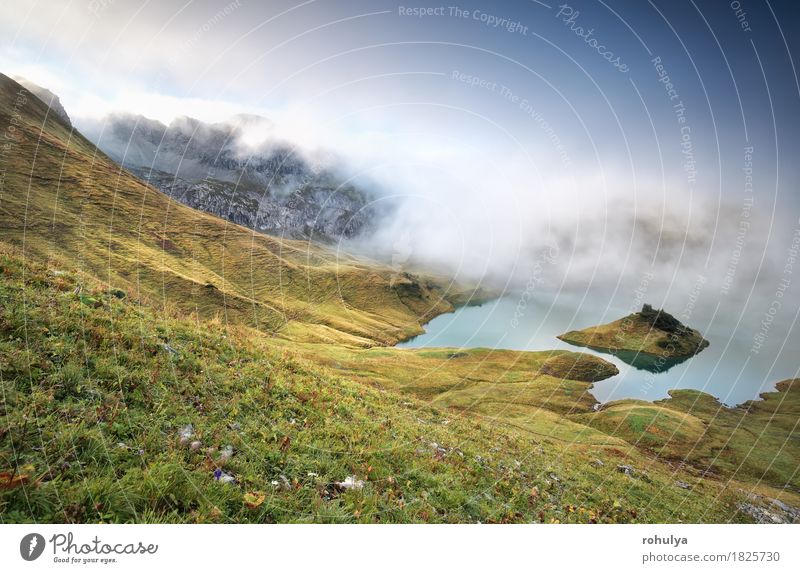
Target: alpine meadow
[[364, 263]]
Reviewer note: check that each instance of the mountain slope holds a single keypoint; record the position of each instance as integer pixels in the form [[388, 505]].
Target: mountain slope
[[63, 199], [103, 401], [49, 98], [125, 317], [268, 187]]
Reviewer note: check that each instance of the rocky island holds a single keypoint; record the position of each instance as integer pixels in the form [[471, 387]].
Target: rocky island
[[649, 331]]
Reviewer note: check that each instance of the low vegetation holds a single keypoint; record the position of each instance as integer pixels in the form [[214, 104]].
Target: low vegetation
[[651, 332], [160, 365], [113, 413]]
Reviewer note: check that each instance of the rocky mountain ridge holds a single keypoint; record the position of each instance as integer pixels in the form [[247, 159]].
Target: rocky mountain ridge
[[49, 98], [270, 187]]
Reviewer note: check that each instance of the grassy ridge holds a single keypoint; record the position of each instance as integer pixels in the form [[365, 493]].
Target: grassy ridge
[[62, 198], [532, 391], [97, 389], [125, 317], [755, 441]]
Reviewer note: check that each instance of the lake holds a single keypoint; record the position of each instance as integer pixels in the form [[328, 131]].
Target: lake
[[726, 369]]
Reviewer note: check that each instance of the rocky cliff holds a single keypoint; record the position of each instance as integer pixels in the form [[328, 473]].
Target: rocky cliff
[[269, 187]]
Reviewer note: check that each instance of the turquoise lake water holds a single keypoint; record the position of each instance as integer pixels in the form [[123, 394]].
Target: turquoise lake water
[[726, 369]]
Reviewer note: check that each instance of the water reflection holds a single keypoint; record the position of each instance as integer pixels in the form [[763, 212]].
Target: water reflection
[[639, 360], [726, 369]]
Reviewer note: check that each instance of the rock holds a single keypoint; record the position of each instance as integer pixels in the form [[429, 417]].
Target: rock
[[117, 293], [452, 355], [168, 348], [225, 455], [598, 463], [195, 445], [683, 485], [760, 514], [350, 482], [271, 188], [439, 452], [661, 319], [285, 482], [185, 434], [769, 510], [627, 470]]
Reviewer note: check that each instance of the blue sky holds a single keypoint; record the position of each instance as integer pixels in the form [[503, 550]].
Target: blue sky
[[266, 57]]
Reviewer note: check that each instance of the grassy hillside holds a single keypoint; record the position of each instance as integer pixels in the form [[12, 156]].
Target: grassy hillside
[[756, 440], [531, 391], [61, 198], [97, 391], [127, 320]]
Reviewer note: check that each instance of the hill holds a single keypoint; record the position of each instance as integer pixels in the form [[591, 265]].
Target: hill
[[114, 413], [137, 333], [651, 332], [61, 197]]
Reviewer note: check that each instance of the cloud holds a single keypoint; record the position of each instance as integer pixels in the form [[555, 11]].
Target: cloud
[[479, 183]]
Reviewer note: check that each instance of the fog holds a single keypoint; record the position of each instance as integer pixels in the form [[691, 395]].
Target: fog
[[518, 162], [515, 224]]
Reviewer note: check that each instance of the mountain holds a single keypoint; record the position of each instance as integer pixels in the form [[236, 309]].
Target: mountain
[[160, 364], [115, 413], [49, 98], [64, 200], [269, 187]]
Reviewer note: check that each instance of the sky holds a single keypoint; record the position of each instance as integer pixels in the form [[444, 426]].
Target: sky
[[628, 137]]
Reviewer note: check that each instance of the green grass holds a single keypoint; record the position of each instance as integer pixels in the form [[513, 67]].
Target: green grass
[[635, 334], [756, 441], [529, 390], [125, 316], [96, 389], [63, 199]]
